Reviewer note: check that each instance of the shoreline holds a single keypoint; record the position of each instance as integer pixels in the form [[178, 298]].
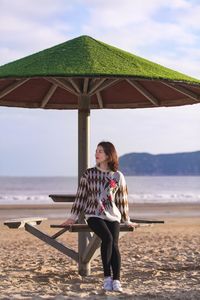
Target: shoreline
[[137, 210], [68, 204]]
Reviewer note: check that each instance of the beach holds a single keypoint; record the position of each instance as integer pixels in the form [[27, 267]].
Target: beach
[[158, 262]]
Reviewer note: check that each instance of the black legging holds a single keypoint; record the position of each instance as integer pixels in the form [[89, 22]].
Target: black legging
[[109, 235]]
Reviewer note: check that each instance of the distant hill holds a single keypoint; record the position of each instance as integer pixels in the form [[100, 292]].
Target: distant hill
[[186, 163]]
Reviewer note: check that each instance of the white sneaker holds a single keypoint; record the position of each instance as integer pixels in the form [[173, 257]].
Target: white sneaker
[[117, 286], [108, 284]]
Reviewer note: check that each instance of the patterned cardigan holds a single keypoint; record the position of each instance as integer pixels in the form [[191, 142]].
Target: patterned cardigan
[[102, 194]]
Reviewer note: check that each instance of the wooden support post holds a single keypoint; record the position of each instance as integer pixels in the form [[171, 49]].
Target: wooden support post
[[83, 134], [83, 164], [50, 241], [91, 249]]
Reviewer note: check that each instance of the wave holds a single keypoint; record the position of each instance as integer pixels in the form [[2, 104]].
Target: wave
[[165, 197], [24, 199], [137, 198]]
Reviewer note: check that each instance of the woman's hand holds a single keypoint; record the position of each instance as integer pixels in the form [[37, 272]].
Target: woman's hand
[[68, 222], [133, 224]]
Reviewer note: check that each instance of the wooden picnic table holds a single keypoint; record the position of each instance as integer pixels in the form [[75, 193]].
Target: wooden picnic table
[[86, 251]]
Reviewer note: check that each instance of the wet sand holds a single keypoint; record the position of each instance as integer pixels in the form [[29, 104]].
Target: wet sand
[[158, 262], [137, 210]]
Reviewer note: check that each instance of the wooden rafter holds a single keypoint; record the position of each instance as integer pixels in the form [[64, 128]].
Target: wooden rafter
[[85, 85], [92, 82], [100, 100], [12, 87], [123, 105], [90, 251], [143, 91], [95, 85], [64, 85], [74, 84], [104, 85], [48, 95], [183, 91]]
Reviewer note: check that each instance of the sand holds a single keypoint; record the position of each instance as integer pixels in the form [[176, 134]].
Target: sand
[[159, 262]]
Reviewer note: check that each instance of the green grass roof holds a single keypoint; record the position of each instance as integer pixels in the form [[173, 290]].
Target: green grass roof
[[85, 56]]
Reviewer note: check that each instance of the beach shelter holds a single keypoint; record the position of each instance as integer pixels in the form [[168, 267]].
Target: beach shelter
[[84, 74]]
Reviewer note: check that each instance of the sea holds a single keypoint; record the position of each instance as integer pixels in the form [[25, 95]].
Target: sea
[[142, 189]]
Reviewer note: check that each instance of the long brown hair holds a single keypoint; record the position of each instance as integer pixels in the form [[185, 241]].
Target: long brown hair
[[110, 151]]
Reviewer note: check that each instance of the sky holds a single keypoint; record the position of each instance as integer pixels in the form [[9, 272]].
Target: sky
[[35, 142]]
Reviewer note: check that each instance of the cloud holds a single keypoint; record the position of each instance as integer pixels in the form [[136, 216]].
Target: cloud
[[166, 28], [117, 13], [29, 27], [189, 17]]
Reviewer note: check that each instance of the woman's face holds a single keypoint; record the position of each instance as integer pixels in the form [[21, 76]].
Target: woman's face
[[100, 155]]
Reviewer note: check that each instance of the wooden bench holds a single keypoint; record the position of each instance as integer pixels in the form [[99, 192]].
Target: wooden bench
[[86, 228], [29, 225], [20, 223], [93, 241], [88, 247]]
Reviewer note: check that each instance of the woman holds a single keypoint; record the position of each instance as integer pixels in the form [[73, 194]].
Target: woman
[[102, 196]]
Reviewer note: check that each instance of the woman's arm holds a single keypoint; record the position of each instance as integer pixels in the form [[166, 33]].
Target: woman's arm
[[121, 201], [69, 221], [79, 203]]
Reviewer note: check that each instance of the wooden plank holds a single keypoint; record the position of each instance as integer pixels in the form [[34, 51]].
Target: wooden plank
[[59, 233], [48, 95], [20, 223], [91, 248], [100, 100], [51, 105], [139, 221], [50, 241], [85, 227], [62, 197], [85, 85]]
